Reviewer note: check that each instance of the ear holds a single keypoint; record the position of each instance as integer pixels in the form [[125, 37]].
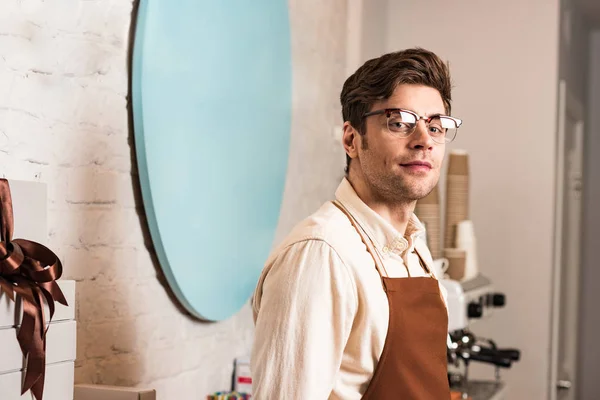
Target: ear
[[351, 140]]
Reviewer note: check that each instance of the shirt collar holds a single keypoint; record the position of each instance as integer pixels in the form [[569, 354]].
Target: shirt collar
[[385, 237]]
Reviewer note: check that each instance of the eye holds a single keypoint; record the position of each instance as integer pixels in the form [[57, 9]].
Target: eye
[[435, 127], [397, 125]]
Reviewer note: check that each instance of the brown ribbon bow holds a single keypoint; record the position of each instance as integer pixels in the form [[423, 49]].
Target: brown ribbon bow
[[29, 270]]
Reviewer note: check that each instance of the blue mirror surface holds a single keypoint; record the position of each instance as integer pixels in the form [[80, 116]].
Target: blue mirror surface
[[211, 92]]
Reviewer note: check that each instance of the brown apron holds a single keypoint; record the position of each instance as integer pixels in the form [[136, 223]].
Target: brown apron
[[413, 364]]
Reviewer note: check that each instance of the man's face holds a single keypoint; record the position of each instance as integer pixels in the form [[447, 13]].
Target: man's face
[[396, 168]]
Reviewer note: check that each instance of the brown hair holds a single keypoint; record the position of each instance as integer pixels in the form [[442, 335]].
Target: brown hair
[[377, 79]]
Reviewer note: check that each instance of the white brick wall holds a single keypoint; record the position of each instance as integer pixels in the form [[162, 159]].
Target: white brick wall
[[63, 121]]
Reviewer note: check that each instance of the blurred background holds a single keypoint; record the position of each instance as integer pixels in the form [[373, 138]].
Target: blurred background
[[526, 84]]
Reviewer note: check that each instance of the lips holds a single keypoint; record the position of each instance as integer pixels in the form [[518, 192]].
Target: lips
[[423, 164], [416, 167]]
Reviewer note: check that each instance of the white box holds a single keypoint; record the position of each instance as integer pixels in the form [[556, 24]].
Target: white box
[[30, 210], [242, 377], [58, 384], [104, 392], [11, 313], [60, 346], [8, 317]]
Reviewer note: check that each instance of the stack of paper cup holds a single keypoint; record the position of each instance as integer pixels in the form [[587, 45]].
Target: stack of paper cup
[[428, 212], [457, 194], [465, 239], [457, 259]]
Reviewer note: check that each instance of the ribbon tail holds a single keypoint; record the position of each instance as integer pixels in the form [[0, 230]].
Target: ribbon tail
[[38, 387], [58, 294], [34, 376], [26, 334], [49, 301], [54, 290], [36, 358]]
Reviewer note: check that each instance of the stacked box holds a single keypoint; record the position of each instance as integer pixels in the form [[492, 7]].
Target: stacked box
[[60, 349], [105, 392], [29, 210]]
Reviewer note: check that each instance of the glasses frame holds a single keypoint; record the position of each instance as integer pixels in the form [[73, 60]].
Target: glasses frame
[[389, 111]]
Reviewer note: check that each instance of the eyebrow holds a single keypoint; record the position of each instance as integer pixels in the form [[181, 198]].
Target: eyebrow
[[438, 114], [435, 115]]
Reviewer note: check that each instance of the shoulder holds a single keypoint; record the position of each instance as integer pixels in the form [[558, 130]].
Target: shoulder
[[310, 255], [328, 226]]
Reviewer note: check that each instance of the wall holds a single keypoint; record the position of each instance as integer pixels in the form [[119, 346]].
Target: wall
[[374, 32], [63, 121], [589, 352], [504, 60], [574, 69], [574, 49], [317, 158]]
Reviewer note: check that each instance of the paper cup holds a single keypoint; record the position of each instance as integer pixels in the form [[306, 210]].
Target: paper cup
[[457, 260], [428, 212]]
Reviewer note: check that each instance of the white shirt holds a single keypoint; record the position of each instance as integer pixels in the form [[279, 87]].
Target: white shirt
[[319, 307]]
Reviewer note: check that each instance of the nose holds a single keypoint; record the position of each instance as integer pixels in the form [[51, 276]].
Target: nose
[[420, 138]]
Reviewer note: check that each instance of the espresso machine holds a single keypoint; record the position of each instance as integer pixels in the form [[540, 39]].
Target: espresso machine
[[471, 295], [469, 301]]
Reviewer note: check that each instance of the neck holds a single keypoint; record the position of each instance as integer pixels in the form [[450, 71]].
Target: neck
[[396, 212]]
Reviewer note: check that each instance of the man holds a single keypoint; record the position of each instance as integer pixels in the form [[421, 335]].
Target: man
[[346, 307]]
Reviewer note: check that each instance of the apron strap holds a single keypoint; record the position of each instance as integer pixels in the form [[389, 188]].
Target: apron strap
[[367, 242], [373, 252], [424, 264]]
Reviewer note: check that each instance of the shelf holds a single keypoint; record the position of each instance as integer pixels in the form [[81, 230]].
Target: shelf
[[484, 390]]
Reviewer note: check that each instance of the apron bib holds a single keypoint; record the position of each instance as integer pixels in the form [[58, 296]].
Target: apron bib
[[413, 363]]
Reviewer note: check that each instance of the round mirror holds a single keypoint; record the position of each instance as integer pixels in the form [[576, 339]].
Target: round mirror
[[211, 92]]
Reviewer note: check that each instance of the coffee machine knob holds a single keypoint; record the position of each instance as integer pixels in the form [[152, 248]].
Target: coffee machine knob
[[498, 300], [475, 310]]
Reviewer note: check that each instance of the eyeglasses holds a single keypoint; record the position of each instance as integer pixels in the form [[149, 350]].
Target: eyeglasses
[[402, 123]]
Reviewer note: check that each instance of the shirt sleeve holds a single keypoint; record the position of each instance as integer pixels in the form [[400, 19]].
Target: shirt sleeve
[[305, 314]]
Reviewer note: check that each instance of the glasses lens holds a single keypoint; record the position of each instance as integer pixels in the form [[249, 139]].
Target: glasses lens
[[443, 130], [401, 123]]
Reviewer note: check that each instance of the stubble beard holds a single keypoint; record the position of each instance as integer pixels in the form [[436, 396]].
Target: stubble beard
[[392, 188], [396, 189]]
